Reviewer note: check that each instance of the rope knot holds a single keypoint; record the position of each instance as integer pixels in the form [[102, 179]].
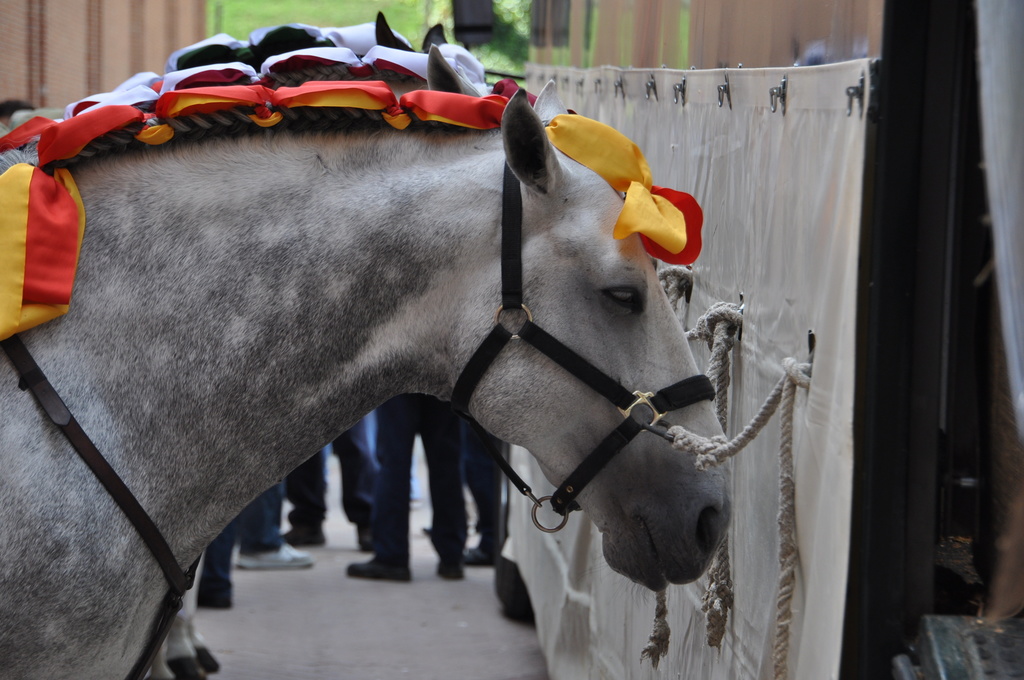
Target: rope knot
[[719, 324], [706, 449], [677, 280], [799, 373]]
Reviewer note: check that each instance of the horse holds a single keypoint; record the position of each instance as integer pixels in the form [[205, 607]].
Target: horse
[[242, 300]]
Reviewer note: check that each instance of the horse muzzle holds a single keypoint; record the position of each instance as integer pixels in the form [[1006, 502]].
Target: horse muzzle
[[662, 542]]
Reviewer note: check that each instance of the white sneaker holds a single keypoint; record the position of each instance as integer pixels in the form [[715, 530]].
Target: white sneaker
[[285, 557]]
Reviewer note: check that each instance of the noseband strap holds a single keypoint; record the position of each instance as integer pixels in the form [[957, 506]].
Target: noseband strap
[[683, 393]]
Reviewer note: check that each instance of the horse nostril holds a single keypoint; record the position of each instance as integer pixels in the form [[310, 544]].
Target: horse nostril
[[707, 529]]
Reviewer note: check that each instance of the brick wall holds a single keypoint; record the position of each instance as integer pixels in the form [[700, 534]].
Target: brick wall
[[58, 51]]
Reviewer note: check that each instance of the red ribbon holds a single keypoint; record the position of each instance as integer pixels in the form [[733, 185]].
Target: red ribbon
[[67, 139], [694, 216], [51, 242]]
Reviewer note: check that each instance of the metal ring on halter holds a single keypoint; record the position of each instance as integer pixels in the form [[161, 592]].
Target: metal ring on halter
[[536, 522], [501, 308]]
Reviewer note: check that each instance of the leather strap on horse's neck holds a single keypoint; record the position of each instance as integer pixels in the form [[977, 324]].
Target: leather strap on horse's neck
[[33, 379], [683, 393]]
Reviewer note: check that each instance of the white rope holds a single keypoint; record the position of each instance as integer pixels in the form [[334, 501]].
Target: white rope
[[787, 522], [718, 328], [677, 282], [715, 451], [657, 644], [718, 596]]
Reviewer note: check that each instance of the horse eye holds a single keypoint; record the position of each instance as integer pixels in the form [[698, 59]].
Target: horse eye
[[627, 297]]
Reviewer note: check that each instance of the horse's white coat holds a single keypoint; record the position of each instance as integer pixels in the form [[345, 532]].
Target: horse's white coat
[[240, 302]]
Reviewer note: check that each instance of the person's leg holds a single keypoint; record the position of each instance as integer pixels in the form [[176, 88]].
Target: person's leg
[[259, 530], [479, 472], [259, 524], [214, 588], [357, 458], [396, 433], [439, 428], [306, 488]]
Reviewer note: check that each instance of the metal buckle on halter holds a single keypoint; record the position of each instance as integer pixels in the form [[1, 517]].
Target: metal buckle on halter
[[645, 399], [501, 308]]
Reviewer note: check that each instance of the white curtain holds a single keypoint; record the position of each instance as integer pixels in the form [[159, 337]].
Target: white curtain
[[1000, 53], [782, 199]]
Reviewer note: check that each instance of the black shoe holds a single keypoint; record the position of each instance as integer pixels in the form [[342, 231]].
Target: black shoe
[[213, 601], [380, 571], [207, 661], [475, 557], [302, 534], [365, 538], [451, 572]]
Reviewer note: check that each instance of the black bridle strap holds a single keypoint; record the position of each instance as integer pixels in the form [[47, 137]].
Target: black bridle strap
[[563, 499], [686, 392], [478, 364], [511, 298], [581, 368], [33, 379], [504, 465], [463, 392], [511, 241]]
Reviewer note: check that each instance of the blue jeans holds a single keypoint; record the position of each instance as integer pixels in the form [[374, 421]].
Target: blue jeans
[[259, 524], [399, 420]]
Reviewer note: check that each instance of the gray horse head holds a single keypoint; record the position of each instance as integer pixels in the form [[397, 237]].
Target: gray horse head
[[661, 520]]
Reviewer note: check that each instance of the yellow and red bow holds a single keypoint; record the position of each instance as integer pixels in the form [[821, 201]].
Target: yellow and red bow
[[668, 221], [41, 229]]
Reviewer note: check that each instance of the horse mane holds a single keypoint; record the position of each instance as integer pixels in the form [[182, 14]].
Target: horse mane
[[238, 121], [297, 77], [26, 154], [235, 122]]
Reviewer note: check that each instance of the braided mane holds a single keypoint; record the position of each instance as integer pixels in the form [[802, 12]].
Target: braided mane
[[236, 122], [222, 62]]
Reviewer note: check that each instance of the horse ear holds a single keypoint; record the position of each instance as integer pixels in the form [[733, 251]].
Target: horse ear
[[386, 37], [435, 36], [548, 104], [527, 150], [442, 77]]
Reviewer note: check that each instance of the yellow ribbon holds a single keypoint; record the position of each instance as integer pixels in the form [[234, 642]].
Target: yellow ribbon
[[16, 315], [620, 162]]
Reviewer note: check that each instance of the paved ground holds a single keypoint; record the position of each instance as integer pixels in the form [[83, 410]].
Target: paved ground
[[318, 624]]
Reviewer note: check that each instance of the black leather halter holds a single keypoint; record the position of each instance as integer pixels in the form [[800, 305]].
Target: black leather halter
[[683, 393], [179, 580]]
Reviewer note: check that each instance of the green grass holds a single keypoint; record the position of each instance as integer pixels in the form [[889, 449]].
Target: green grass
[[411, 18], [240, 17]]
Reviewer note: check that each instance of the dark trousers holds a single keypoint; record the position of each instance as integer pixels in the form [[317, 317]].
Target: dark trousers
[[399, 420], [215, 579], [306, 486], [257, 529], [480, 473]]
